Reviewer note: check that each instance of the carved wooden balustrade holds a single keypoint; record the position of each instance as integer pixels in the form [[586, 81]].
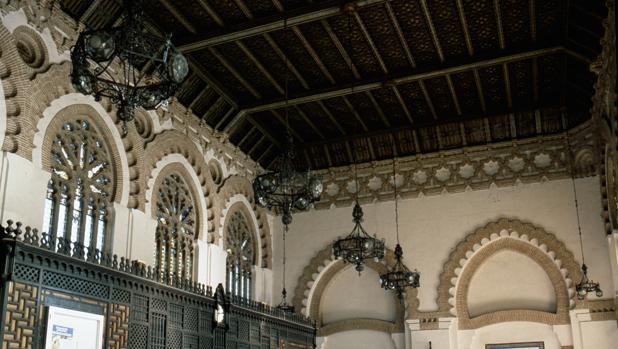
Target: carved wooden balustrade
[[143, 308]]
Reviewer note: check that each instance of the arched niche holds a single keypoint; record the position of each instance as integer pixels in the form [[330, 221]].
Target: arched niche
[[346, 298], [483, 252], [509, 280], [322, 272]]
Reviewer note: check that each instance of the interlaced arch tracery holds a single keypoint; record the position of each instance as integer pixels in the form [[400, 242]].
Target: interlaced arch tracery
[[240, 248], [177, 226], [79, 195]]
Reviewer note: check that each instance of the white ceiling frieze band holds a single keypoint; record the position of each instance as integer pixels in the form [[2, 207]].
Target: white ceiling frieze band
[[472, 168]]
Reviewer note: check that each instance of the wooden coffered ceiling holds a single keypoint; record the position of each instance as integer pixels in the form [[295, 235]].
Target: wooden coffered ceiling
[[380, 78]]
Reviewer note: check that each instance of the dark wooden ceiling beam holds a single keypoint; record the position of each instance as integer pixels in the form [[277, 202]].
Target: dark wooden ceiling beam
[[260, 66], [507, 85], [224, 118], [213, 108], [400, 36], [535, 80], [199, 96], [342, 51], [234, 72], [231, 126], [499, 24], [90, 10], [403, 104], [264, 131], [211, 12], [283, 122], [313, 54], [200, 71], [309, 122], [246, 136], [179, 16], [243, 7], [256, 146], [369, 85], [306, 14], [332, 117], [428, 99], [457, 119], [284, 58], [359, 119], [377, 107], [479, 90], [532, 14], [372, 44], [464, 27], [432, 29], [266, 152], [451, 88]]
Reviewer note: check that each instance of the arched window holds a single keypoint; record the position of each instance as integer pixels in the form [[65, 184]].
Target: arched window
[[176, 228], [240, 255], [79, 194]]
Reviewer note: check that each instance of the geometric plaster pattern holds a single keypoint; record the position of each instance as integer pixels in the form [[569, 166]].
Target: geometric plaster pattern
[[470, 168], [507, 234]]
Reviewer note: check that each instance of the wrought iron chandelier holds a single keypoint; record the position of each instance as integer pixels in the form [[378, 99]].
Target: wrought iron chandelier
[[399, 277], [287, 190], [358, 246], [127, 64], [585, 285]]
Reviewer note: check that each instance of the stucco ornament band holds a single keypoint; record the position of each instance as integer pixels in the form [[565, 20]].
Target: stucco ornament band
[[470, 168], [508, 234]]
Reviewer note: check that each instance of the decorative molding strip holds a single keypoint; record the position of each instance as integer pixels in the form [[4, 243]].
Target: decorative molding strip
[[472, 168]]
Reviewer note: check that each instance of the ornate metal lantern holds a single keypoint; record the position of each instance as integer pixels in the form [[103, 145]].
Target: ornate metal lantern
[[287, 190], [127, 64], [586, 285], [358, 246], [400, 277]]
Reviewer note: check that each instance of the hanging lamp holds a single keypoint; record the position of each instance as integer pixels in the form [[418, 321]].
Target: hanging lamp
[[358, 246], [399, 278], [287, 190], [585, 285], [125, 63]]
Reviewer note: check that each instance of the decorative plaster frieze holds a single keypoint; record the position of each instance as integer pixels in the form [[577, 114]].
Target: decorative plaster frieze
[[471, 168]]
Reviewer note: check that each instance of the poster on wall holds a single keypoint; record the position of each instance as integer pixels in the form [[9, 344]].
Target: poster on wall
[[72, 329], [534, 345]]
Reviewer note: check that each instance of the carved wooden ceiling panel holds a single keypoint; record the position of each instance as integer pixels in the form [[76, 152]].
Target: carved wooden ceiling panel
[[425, 74]]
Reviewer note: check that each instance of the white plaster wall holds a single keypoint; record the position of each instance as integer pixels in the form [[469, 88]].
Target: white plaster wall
[[22, 190], [431, 227], [360, 339], [511, 332], [517, 282], [369, 301], [592, 334], [134, 234]]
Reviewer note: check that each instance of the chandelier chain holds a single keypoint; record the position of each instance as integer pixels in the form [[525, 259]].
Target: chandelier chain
[[571, 172]]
